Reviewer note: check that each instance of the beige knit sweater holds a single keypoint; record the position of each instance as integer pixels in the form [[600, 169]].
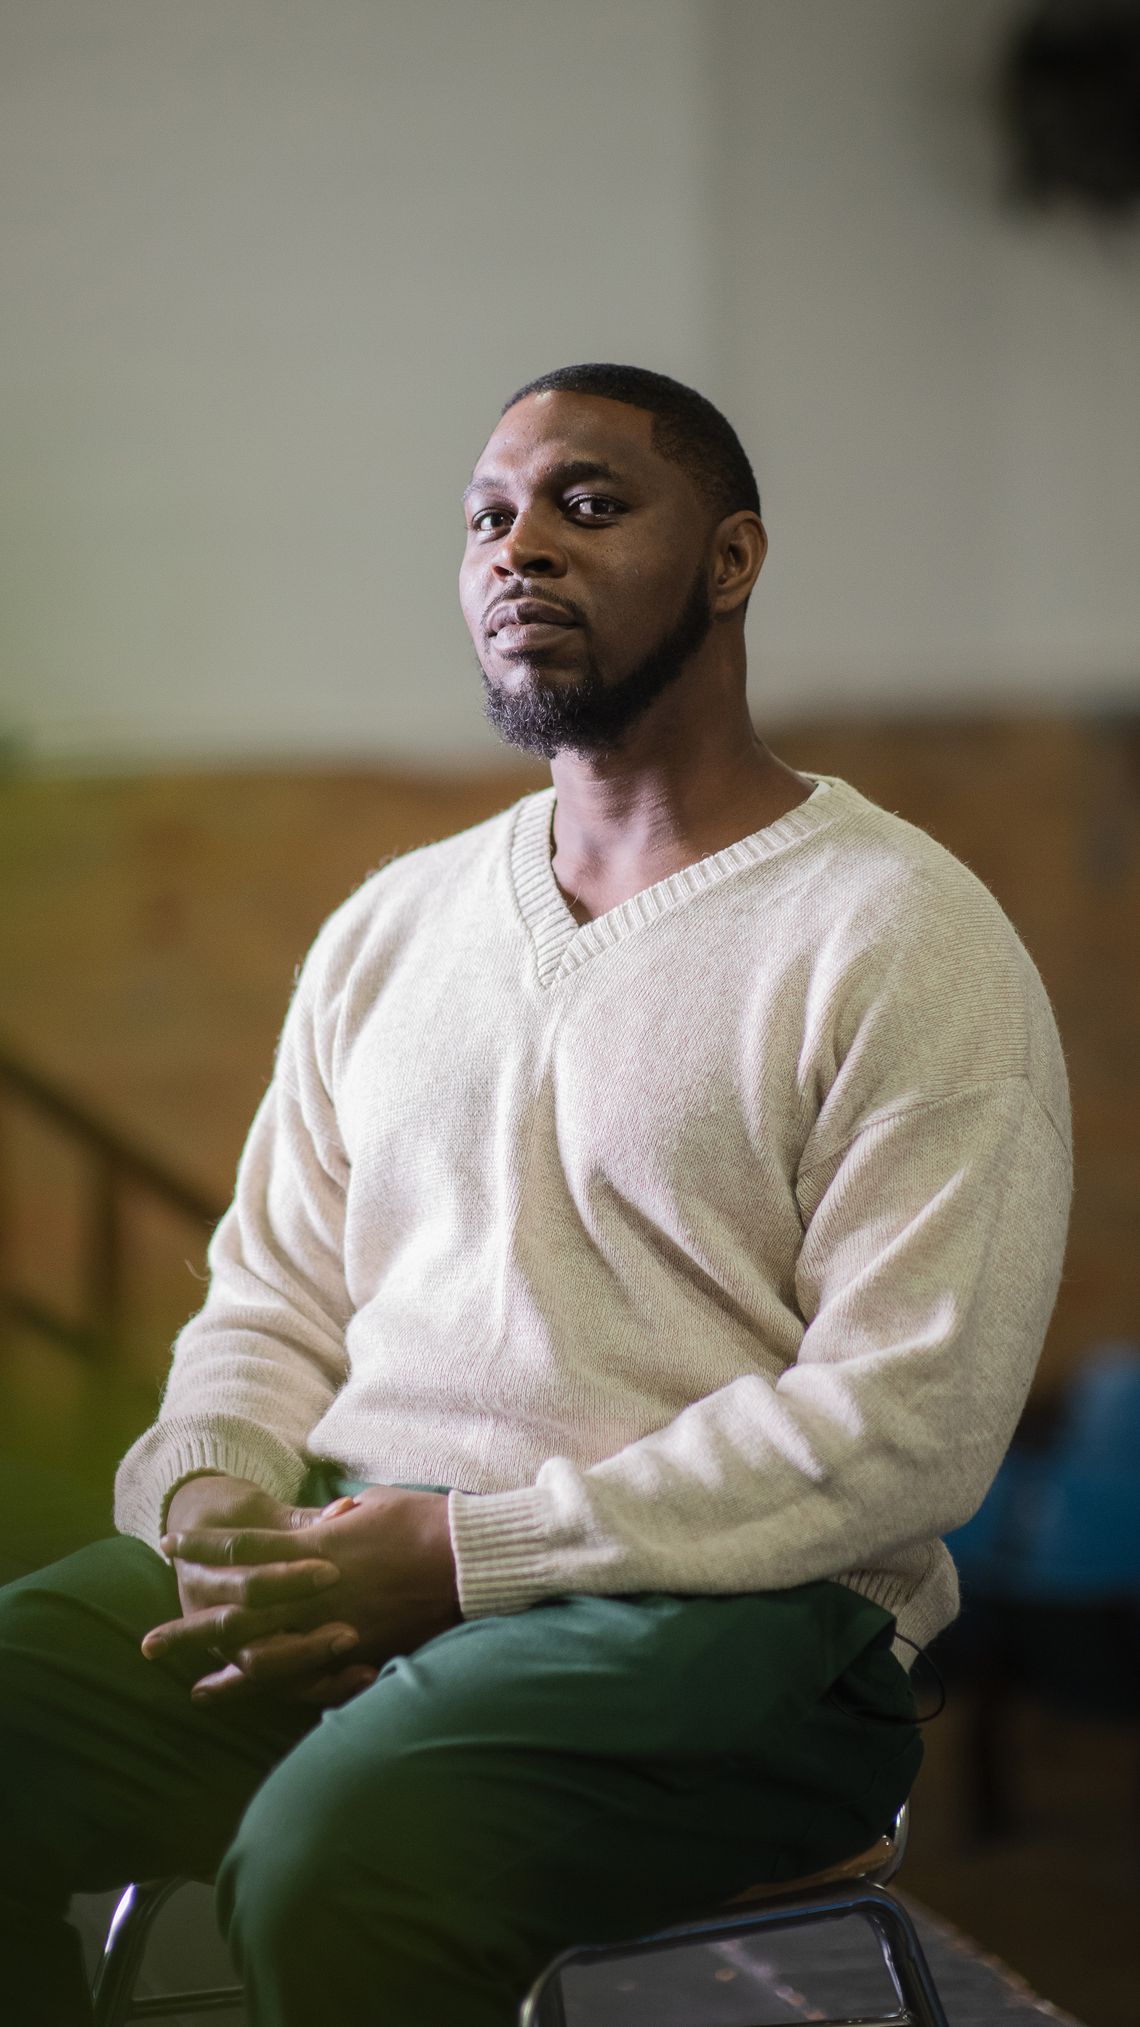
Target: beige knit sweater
[[707, 1247]]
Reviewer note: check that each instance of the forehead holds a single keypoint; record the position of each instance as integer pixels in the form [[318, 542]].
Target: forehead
[[548, 430]]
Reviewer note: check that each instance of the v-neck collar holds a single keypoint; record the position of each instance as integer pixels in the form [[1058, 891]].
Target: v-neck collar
[[561, 942]]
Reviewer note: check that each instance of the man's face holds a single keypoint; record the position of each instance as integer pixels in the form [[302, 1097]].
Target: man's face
[[584, 578]]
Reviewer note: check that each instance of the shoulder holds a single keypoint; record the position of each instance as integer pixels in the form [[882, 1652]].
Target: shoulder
[[394, 894], [886, 871], [902, 901], [924, 978], [346, 964]]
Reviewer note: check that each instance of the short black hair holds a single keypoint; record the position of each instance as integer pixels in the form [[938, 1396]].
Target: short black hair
[[686, 428]]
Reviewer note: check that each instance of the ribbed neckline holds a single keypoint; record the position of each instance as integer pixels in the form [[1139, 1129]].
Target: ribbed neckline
[[561, 943]]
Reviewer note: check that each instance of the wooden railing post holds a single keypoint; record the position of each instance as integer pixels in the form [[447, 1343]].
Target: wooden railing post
[[103, 1278], [117, 1164]]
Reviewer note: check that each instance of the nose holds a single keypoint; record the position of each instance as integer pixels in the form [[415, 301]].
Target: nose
[[530, 547]]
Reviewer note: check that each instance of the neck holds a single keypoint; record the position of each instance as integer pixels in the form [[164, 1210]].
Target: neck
[[613, 820]]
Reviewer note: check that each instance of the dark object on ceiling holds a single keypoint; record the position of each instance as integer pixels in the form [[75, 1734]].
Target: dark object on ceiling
[[1071, 101]]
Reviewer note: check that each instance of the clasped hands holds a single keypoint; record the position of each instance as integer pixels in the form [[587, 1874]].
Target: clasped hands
[[308, 1611]]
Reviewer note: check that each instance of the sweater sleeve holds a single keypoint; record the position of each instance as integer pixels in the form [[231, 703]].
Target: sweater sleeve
[[928, 1271], [256, 1368]]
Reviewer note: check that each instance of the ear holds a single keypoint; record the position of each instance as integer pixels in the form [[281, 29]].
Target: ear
[[740, 545]]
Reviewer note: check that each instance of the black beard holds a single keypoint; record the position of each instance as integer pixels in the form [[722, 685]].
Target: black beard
[[591, 716]]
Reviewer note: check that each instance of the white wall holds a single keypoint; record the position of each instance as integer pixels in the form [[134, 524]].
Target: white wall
[[945, 392], [270, 267]]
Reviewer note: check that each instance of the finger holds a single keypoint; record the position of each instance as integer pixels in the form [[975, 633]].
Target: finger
[[224, 1686], [161, 1637], [332, 1690], [224, 1626], [301, 1516], [284, 1656], [285, 1660], [327, 1692], [233, 1545], [265, 1584]]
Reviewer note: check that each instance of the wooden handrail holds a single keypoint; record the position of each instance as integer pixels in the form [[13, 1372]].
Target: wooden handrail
[[116, 1162], [84, 1124]]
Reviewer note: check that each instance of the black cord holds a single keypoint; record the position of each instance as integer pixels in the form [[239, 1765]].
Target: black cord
[[889, 1636]]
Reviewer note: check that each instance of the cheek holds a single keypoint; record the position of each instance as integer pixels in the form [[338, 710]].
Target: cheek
[[650, 602]]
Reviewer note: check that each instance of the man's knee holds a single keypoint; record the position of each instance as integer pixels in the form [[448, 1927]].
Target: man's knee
[[85, 1721], [393, 1857], [305, 1843], [70, 1625], [118, 1578], [333, 1910]]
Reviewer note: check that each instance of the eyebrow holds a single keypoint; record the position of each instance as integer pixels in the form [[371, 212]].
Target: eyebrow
[[559, 475]]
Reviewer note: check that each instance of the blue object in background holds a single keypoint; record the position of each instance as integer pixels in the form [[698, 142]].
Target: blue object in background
[[1063, 1523], [1050, 1569]]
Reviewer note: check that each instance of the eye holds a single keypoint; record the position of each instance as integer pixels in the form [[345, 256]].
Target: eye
[[481, 521], [595, 507]]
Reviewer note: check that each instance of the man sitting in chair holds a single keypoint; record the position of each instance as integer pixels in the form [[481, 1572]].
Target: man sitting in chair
[[638, 1261]]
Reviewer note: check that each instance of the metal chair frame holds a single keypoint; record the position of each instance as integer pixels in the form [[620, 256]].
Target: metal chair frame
[[850, 1890], [112, 1995], [857, 1888], [918, 2002]]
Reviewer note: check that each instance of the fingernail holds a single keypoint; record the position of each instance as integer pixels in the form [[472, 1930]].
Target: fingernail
[[322, 1580], [337, 1506], [341, 1642]]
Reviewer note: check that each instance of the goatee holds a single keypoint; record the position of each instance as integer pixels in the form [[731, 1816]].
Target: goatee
[[590, 716]]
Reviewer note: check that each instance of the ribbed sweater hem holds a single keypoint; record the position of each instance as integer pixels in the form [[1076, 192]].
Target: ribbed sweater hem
[[505, 1563]]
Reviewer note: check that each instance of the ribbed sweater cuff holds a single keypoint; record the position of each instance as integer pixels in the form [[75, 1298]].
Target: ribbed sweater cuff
[[511, 1553], [501, 1542], [166, 1455]]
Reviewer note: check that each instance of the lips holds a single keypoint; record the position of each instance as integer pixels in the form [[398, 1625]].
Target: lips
[[528, 612]]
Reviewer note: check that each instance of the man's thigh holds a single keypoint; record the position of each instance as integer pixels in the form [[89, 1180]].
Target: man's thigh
[[580, 1771], [108, 1771]]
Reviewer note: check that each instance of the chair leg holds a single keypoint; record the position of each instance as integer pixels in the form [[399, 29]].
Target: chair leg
[[904, 1958], [123, 1950]]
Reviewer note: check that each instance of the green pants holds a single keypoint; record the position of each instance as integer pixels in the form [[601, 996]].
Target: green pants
[[581, 1772]]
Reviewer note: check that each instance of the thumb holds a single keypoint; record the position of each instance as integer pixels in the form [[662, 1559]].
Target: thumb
[[303, 1516]]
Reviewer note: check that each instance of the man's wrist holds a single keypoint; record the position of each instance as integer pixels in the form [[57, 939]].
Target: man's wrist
[[439, 1551], [446, 1548], [168, 1524]]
